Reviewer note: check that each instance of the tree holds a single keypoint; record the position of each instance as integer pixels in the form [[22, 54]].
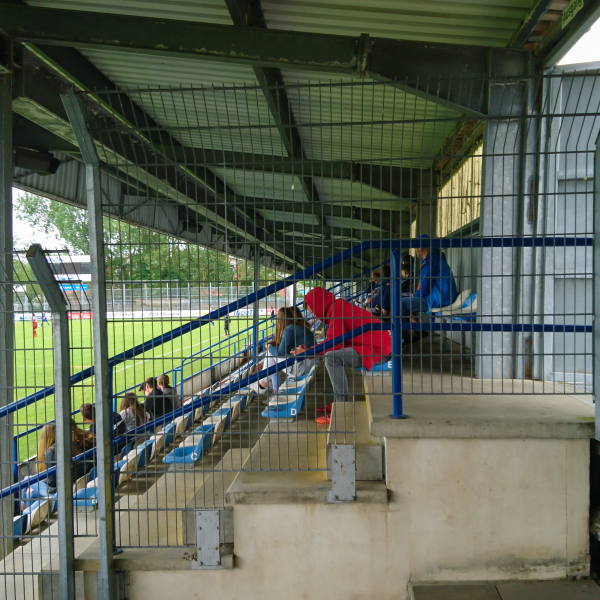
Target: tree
[[70, 222], [134, 254]]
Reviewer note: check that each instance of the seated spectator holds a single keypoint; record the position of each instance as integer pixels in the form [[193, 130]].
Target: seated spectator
[[157, 404], [373, 290], [436, 289], [291, 331], [365, 350], [46, 459], [132, 412], [407, 270], [383, 308], [88, 414], [164, 385]]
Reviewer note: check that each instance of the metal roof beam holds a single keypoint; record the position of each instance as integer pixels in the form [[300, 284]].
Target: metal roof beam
[[249, 13], [530, 22], [402, 61]]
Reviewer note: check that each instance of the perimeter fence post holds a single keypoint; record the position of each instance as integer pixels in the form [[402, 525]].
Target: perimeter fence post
[[106, 577], [62, 411]]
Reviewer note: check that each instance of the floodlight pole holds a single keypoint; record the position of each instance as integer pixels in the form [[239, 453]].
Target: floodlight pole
[[106, 576], [62, 411]]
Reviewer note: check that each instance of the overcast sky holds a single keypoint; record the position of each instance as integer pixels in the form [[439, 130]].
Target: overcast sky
[[25, 234], [587, 49]]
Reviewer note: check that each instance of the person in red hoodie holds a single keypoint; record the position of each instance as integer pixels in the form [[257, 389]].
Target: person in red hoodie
[[364, 350]]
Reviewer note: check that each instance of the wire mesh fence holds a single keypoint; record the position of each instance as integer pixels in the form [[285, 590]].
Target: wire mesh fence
[[433, 252]]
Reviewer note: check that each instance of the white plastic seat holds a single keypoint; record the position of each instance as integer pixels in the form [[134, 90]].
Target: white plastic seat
[[38, 515], [455, 307]]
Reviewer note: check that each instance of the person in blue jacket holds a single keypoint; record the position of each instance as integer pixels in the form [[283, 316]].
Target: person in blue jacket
[[437, 287]]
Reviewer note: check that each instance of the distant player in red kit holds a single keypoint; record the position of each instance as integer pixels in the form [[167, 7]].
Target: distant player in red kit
[[35, 326]]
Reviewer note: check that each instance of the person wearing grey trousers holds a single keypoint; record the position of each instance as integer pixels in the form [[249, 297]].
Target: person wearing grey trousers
[[335, 361]]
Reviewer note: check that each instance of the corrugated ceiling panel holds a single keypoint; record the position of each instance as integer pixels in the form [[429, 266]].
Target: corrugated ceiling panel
[[206, 11], [484, 22], [357, 194], [290, 217], [259, 184], [208, 106], [363, 122]]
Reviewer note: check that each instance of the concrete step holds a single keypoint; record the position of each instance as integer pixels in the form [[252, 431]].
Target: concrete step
[[350, 425], [528, 590]]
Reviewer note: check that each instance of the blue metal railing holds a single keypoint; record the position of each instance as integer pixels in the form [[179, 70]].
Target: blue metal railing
[[147, 428], [394, 246]]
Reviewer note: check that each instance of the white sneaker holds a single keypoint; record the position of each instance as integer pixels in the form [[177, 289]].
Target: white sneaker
[[257, 389]]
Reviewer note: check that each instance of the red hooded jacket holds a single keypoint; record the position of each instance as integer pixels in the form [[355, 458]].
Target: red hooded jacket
[[341, 316]]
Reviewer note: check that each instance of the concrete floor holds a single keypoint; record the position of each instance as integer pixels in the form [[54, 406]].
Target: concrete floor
[[537, 590]]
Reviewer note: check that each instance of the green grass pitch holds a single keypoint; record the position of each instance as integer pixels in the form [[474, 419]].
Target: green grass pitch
[[34, 361]]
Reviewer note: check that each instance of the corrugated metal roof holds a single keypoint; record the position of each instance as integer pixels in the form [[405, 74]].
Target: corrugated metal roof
[[483, 22], [356, 193], [259, 184], [291, 217], [367, 121], [205, 11], [206, 106]]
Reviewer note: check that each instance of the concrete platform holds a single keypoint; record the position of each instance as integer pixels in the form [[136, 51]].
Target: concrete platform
[[533, 412], [288, 466], [535, 590]]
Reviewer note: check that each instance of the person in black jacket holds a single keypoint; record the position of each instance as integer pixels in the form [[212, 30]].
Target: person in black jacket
[[156, 404], [88, 414], [81, 441]]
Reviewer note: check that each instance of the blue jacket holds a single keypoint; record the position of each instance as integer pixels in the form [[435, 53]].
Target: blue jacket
[[294, 336], [437, 281]]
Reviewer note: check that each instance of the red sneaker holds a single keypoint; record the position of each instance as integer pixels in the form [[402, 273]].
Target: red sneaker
[[323, 420], [327, 408]]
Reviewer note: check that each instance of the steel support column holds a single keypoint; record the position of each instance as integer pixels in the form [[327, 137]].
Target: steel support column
[[6, 310], [502, 180], [62, 407], [596, 342], [524, 300], [106, 576]]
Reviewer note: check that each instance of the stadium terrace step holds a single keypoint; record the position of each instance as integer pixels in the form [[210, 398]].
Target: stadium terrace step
[[354, 416], [534, 590]]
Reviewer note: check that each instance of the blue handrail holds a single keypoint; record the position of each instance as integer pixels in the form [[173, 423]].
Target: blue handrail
[[202, 400]]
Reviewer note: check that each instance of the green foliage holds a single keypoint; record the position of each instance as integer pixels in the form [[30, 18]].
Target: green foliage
[[136, 254]]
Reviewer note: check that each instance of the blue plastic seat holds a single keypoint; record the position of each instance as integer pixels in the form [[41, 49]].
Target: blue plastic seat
[[386, 366], [191, 453], [87, 496], [20, 524], [285, 410]]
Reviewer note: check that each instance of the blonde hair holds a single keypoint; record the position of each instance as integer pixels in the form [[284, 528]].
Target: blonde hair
[[282, 319], [47, 440], [80, 440], [163, 380], [130, 400]]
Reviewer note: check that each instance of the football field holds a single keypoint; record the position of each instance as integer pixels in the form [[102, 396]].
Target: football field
[[34, 361]]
